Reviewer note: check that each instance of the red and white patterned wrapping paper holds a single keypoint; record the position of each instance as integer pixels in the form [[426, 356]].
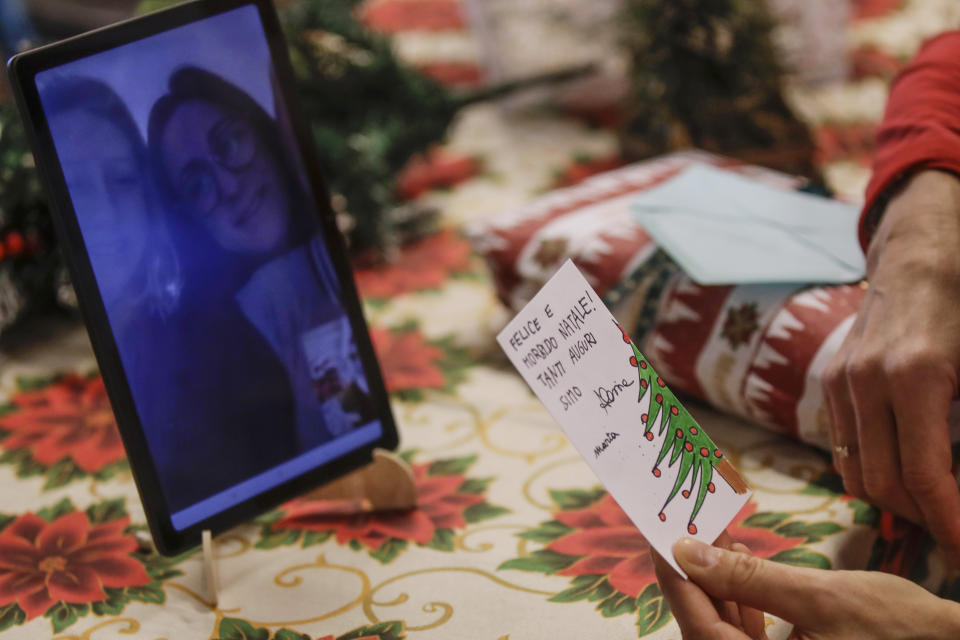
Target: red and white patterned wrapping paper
[[756, 351]]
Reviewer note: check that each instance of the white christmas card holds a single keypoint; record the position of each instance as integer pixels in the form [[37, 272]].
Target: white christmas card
[[653, 458]]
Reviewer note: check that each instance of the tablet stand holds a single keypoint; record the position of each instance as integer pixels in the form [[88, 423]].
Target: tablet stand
[[386, 484]]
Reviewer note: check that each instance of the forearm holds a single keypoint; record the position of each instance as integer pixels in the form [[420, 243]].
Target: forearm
[[921, 126]]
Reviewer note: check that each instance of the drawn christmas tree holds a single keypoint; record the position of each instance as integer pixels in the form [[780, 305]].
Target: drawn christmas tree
[[683, 441]]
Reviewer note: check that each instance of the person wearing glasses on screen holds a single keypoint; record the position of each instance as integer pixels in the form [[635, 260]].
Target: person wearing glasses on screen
[[224, 158]]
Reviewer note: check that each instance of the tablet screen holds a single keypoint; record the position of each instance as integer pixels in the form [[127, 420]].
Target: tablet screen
[[210, 260]]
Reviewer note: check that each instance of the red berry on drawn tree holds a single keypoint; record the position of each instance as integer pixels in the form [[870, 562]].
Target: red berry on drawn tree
[[679, 433], [674, 410], [648, 435], [659, 381], [704, 452], [694, 431], [659, 398], [662, 516], [692, 529], [688, 446], [656, 472], [711, 487], [643, 417], [685, 493], [643, 364], [643, 384], [633, 361], [718, 453]]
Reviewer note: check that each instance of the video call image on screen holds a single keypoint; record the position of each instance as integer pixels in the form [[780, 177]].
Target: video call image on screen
[[209, 260]]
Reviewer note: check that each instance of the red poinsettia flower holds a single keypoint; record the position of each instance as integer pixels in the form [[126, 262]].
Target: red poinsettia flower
[[70, 418], [407, 360], [439, 506], [66, 560], [422, 265], [437, 169], [611, 545]]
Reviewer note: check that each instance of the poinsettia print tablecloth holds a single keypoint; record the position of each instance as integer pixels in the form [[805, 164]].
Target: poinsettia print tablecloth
[[512, 537]]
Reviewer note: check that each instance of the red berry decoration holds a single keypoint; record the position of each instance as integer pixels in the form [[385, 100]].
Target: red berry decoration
[[626, 338], [688, 446], [685, 493], [643, 364], [659, 398], [704, 451], [633, 361], [692, 529], [679, 433], [718, 453], [643, 418], [694, 431], [711, 487], [643, 384], [674, 410], [662, 516], [14, 243], [648, 435], [659, 381], [656, 474]]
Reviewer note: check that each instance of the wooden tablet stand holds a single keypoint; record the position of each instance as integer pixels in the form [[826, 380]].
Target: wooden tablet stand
[[386, 484]]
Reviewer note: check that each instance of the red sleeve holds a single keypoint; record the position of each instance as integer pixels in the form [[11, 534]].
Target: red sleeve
[[921, 126]]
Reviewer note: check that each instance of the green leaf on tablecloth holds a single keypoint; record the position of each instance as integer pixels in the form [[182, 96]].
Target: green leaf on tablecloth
[[827, 483], [601, 592], [576, 498], [474, 485], [583, 587], [270, 539], [33, 383], [653, 611], [546, 532], [802, 558], [116, 600], [106, 511], [161, 568], [64, 614], [864, 513], [23, 460], [451, 466], [407, 455], [150, 593], [5, 408], [287, 634], [483, 511], [542, 561], [61, 474], [388, 550], [52, 513], [236, 629], [617, 605], [391, 630], [311, 538], [811, 532], [455, 363], [767, 520], [11, 615], [442, 540]]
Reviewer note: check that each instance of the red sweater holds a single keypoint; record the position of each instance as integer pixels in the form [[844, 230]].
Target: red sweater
[[921, 126]]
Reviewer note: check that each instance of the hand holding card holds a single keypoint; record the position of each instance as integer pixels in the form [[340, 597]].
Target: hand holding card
[[651, 455]]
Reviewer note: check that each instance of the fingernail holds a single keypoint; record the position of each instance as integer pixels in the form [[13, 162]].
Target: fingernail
[[693, 553]]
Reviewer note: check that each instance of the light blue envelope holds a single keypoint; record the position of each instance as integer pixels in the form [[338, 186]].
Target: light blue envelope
[[724, 228]]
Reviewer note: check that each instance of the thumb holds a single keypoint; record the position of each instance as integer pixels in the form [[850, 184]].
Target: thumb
[[788, 592]]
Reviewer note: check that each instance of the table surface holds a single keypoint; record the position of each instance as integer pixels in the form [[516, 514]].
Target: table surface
[[511, 538]]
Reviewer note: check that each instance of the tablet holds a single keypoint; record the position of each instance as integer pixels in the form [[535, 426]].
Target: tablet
[[214, 283]]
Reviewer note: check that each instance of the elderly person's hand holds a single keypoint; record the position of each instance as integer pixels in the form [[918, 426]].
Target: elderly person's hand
[[728, 588], [890, 386]]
